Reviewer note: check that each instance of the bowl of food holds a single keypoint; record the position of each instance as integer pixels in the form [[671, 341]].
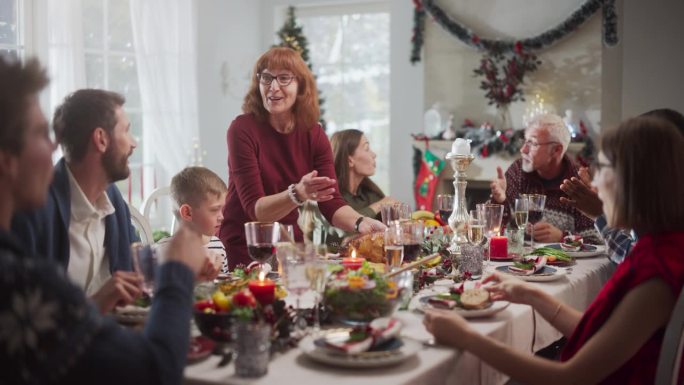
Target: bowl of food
[[213, 316], [360, 296]]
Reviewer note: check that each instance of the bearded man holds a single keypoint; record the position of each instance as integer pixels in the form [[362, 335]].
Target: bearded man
[[541, 169], [85, 225]]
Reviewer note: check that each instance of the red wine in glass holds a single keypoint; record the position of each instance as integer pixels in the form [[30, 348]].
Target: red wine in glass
[[411, 251], [261, 252], [445, 214], [535, 216]]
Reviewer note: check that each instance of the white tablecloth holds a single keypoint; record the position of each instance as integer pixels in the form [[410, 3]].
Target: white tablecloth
[[432, 365]]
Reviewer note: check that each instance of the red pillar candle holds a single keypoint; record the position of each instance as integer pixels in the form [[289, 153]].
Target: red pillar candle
[[498, 248], [353, 263], [263, 289]]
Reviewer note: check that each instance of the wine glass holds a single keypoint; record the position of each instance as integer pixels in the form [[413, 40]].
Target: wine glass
[[445, 205], [394, 212], [491, 215], [536, 204], [394, 245], [261, 240], [317, 274], [296, 259], [412, 238], [145, 263], [521, 210]]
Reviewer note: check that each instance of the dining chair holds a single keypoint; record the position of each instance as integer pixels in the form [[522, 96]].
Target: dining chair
[[670, 358], [142, 225], [150, 202]]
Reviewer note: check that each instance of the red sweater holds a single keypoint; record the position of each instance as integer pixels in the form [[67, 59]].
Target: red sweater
[[262, 162], [653, 256]]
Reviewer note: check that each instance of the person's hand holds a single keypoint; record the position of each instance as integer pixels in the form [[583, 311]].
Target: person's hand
[[448, 328], [498, 186], [508, 288], [211, 268], [368, 225], [315, 188], [186, 247], [119, 290], [547, 233], [581, 195]]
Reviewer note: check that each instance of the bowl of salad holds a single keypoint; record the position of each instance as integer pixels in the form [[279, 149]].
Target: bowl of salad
[[359, 296]]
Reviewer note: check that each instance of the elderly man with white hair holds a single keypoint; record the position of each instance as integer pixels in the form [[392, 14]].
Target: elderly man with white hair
[[541, 170]]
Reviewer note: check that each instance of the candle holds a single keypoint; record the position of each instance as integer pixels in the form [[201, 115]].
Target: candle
[[460, 147], [262, 289], [353, 263], [498, 247]]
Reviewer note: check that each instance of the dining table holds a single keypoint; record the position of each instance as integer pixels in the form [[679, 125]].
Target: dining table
[[517, 326]]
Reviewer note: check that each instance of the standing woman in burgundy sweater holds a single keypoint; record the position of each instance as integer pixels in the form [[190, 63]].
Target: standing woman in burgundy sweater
[[280, 157]]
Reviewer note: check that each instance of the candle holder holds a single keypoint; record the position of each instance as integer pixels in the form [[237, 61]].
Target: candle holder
[[459, 216]]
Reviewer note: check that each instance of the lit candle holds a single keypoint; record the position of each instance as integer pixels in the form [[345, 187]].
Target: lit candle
[[262, 289], [353, 263], [498, 247]]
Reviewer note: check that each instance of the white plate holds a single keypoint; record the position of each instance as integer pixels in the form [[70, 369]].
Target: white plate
[[586, 252], [363, 360], [549, 274], [496, 307]]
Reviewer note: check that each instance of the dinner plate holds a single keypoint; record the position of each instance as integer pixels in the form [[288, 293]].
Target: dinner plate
[[393, 353], [548, 273], [200, 348], [493, 308], [586, 251]]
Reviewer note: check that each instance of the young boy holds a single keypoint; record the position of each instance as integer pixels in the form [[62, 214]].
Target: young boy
[[199, 195]]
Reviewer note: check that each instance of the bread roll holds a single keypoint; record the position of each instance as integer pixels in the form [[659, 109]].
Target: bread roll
[[475, 299]]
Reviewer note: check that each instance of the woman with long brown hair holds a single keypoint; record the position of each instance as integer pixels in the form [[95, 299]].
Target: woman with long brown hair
[[617, 340], [354, 165], [279, 156]]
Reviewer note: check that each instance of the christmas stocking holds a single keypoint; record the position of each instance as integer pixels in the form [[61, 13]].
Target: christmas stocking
[[426, 180]]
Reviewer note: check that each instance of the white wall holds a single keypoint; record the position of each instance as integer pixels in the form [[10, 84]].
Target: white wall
[[228, 44], [568, 78]]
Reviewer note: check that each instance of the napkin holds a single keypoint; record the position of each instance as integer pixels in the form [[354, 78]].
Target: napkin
[[442, 303], [538, 265], [572, 243], [378, 332]]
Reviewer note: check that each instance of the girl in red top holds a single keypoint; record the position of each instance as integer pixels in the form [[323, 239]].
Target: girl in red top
[[640, 180], [279, 156]]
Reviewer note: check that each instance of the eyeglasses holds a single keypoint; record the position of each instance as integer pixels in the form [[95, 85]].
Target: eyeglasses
[[282, 79], [532, 144], [597, 165]]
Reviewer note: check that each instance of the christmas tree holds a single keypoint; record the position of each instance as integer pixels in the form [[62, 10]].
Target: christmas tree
[[292, 36]]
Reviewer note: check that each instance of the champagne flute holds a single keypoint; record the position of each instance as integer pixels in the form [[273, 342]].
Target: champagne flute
[[295, 260], [491, 214], [317, 274], [521, 211], [394, 245], [145, 263], [475, 228], [536, 203]]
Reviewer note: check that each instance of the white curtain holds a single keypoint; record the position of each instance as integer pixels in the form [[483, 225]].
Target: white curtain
[[66, 59], [164, 39]]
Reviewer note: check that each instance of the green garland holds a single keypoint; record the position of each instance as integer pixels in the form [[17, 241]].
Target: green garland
[[539, 42]]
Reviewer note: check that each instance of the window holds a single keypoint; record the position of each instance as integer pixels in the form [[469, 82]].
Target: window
[[12, 39], [352, 73], [110, 63]]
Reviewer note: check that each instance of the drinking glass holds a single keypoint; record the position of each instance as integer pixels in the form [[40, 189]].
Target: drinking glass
[[317, 274], [145, 263], [394, 212], [394, 245], [491, 216], [445, 205], [521, 210], [295, 259], [412, 238], [475, 228], [536, 204], [261, 240]]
